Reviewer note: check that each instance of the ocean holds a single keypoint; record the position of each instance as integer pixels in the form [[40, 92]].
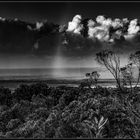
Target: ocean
[[12, 78], [45, 73]]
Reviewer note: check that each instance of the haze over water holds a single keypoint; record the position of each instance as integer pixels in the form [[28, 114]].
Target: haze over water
[[47, 73], [13, 78]]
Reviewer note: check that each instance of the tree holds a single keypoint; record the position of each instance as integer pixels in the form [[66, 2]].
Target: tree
[[92, 78], [127, 75], [95, 76], [5, 96], [135, 59], [112, 62]]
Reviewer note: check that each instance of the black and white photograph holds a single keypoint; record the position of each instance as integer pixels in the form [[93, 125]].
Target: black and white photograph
[[70, 69]]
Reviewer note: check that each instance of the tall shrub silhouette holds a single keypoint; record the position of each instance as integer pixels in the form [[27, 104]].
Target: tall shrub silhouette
[[135, 59], [111, 61]]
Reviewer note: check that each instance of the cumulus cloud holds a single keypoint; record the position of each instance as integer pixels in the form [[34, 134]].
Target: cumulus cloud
[[75, 25], [79, 36], [133, 29], [91, 25], [106, 29], [2, 19], [92, 35], [100, 32], [117, 23], [104, 21], [29, 27], [39, 25], [100, 19], [125, 20]]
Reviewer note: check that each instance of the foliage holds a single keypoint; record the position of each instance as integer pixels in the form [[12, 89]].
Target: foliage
[[5, 96], [77, 114], [25, 92], [111, 61], [91, 79], [135, 59]]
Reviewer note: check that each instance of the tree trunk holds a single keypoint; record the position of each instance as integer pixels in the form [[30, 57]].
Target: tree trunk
[[138, 79]]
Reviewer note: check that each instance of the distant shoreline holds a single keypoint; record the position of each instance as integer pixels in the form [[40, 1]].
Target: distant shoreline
[[57, 80], [12, 84]]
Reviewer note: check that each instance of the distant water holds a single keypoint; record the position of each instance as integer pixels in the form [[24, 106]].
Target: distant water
[[12, 78], [45, 73], [58, 75]]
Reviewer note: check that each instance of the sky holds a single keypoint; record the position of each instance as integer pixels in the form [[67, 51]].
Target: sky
[[60, 13]]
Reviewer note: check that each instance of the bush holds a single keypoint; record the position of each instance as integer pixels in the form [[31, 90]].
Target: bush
[[39, 88], [22, 93], [40, 113], [68, 112], [25, 92], [12, 124], [5, 96]]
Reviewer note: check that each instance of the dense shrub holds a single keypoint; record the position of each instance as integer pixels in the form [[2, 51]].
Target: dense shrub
[[27, 129], [22, 93], [25, 92], [39, 99], [56, 93], [68, 112], [41, 112], [66, 98], [39, 88], [5, 96], [12, 124]]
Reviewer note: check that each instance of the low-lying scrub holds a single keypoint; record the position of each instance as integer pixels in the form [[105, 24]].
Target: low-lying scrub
[[64, 112]]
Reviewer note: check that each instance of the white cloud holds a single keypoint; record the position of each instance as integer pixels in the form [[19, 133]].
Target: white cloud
[[75, 25], [117, 23], [39, 25], [100, 28], [100, 19], [133, 27]]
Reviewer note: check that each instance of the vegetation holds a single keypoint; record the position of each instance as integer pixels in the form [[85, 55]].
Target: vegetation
[[40, 111]]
